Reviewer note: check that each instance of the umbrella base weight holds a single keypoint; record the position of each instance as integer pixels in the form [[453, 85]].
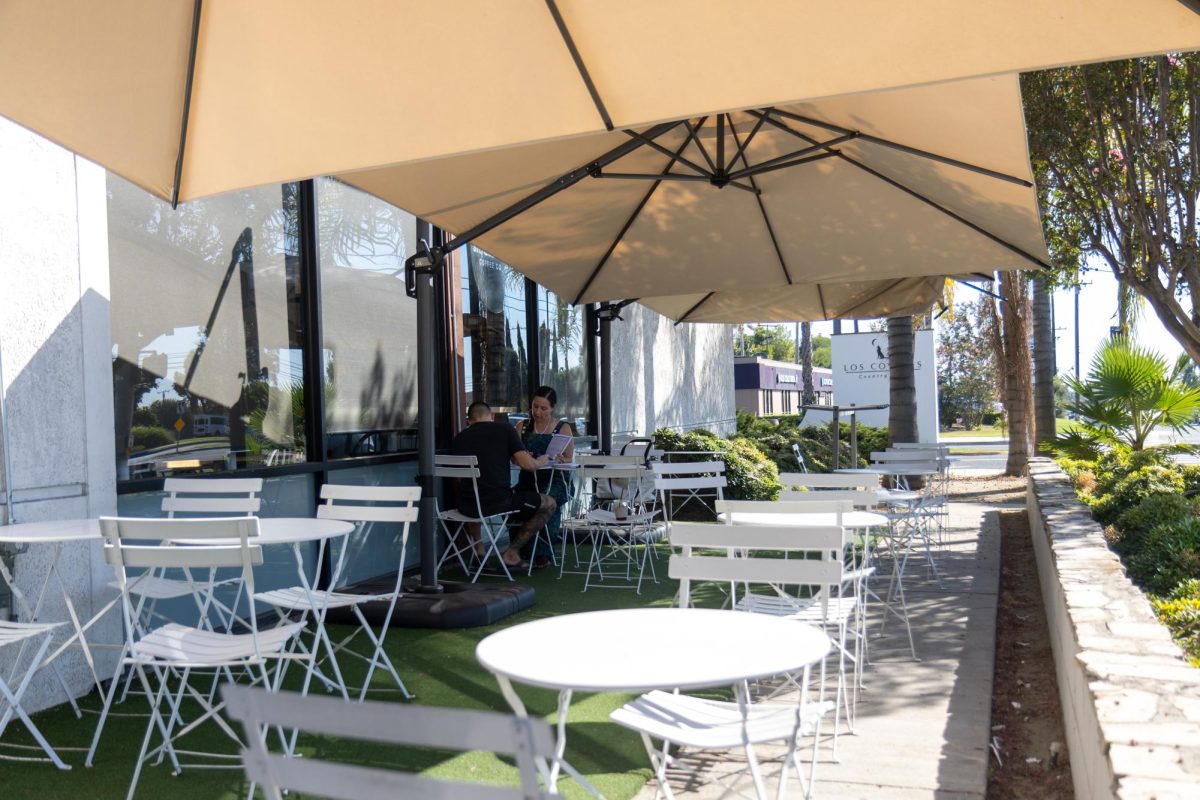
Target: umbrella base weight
[[458, 605]]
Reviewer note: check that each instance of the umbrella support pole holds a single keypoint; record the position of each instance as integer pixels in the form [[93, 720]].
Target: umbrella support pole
[[421, 271]]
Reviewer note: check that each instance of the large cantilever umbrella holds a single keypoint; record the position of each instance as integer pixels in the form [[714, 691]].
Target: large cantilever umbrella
[[187, 98], [877, 186]]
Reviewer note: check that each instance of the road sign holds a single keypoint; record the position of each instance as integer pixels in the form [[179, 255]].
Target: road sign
[[179, 425]]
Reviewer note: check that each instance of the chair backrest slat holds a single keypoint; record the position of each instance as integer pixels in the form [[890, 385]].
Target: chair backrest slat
[[609, 461], [247, 486], [369, 513], [679, 468], [757, 537], [860, 498], [803, 571], [784, 506], [126, 541], [588, 471], [380, 494], [836, 480], [690, 482], [211, 505], [386, 723], [469, 473]]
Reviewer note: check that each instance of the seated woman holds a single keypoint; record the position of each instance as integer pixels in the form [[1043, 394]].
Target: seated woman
[[536, 433]]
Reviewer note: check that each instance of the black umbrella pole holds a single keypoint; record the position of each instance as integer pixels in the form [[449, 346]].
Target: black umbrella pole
[[605, 384], [427, 425]]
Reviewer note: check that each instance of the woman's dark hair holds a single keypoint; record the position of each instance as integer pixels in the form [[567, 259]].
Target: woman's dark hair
[[548, 393]]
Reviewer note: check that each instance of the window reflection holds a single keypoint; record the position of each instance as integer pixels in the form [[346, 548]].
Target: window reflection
[[369, 324], [207, 331], [561, 356], [495, 333]]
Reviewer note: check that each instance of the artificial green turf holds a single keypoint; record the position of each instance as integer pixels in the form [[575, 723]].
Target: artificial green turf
[[438, 666]]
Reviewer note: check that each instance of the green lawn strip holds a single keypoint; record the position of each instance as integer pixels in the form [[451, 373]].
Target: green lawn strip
[[438, 666]]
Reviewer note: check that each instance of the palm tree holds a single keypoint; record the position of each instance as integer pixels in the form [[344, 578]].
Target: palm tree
[[1043, 363], [902, 416], [1129, 391]]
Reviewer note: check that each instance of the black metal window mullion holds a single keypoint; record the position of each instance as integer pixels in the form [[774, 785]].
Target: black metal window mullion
[[591, 356], [314, 372], [533, 341]]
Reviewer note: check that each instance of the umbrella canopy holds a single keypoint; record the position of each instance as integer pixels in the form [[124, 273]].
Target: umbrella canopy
[[188, 99], [919, 181], [806, 302]]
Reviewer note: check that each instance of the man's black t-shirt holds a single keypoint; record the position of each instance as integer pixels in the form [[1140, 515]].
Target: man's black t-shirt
[[493, 444]]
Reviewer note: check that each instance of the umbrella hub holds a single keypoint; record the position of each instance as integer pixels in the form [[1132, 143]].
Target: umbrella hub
[[720, 178]]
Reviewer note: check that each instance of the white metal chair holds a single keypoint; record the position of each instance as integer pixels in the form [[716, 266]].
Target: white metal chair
[[695, 481], [175, 650], [352, 504], [10, 699], [622, 537], [683, 720], [818, 481], [528, 741], [493, 528]]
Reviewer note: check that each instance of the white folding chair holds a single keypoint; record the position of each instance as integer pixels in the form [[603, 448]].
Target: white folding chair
[[363, 505], [527, 740], [683, 720], [493, 528], [175, 650], [819, 481], [680, 483], [10, 699], [622, 537], [190, 498]]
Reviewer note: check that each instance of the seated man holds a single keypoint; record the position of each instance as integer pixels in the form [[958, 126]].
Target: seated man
[[494, 444]]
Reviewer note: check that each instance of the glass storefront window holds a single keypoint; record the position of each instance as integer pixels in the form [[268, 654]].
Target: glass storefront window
[[207, 331], [495, 334], [562, 357], [368, 323]]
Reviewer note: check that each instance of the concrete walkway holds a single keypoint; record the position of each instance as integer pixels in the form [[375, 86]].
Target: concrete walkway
[[923, 727]]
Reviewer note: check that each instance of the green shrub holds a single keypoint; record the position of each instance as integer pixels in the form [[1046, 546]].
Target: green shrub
[[147, 437], [775, 437], [1181, 613], [1160, 509], [1167, 556], [1071, 467], [748, 471], [1191, 478], [1114, 497]]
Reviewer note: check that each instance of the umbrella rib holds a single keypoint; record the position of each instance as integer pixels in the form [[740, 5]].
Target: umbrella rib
[[677, 156], [695, 134], [762, 208], [762, 166], [1192, 5], [758, 123], [673, 176], [557, 185], [750, 173], [187, 102], [629, 222], [821, 298], [903, 148], [579, 65], [703, 300], [875, 296], [914, 193], [980, 289]]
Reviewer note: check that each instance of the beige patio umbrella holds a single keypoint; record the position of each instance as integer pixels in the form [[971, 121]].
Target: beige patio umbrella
[[877, 186], [188, 99], [806, 302]]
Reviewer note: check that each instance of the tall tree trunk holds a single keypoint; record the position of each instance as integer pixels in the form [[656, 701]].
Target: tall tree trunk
[[1043, 364], [1018, 372], [808, 395], [902, 414]]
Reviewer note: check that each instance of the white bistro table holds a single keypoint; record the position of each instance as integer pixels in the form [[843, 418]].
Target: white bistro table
[[640, 649]]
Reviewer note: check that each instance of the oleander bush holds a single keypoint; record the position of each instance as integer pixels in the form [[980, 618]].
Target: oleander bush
[[748, 471]]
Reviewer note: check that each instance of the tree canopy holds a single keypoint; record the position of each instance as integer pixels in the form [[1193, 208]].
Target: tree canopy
[[967, 371], [778, 342], [1116, 151]]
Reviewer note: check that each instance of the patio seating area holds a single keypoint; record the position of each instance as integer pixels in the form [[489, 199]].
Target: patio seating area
[[920, 730]]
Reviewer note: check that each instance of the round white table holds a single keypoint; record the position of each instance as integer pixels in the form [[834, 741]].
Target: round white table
[[639, 649]]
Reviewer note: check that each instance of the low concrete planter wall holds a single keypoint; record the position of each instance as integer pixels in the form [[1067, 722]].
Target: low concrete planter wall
[[1131, 702]]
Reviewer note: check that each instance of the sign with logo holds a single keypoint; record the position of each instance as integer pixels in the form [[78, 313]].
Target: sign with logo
[[783, 377], [863, 373]]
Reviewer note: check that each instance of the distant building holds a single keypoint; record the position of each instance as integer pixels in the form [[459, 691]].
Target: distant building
[[767, 388]]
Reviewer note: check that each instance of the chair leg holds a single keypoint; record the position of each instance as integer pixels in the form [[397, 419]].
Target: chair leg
[[13, 700]]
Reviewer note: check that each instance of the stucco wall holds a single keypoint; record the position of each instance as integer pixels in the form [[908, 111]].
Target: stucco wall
[[55, 354], [668, 376]]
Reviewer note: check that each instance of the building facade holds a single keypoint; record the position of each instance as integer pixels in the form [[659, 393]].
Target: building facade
[[268, 333], [768, 388]]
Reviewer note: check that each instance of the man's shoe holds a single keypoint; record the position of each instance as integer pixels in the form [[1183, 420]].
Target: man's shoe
[[541, 562]]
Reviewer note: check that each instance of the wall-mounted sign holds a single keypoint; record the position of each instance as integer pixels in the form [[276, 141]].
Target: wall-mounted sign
[[781, 377]]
